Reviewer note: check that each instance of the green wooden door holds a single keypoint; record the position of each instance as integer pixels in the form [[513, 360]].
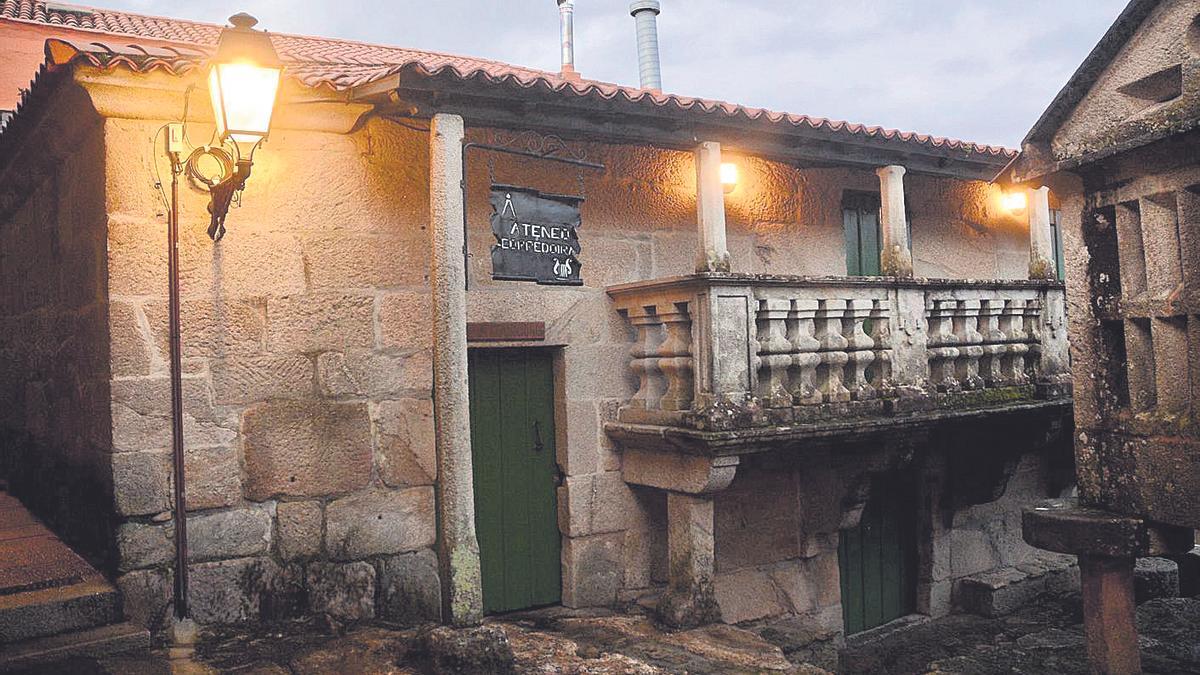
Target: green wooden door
[[860, 216], [512, 447], [877, 559]]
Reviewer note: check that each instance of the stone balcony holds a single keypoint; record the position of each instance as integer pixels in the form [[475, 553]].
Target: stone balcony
[[731, 364]]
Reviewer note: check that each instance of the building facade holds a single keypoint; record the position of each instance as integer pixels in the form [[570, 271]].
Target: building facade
[[1119, 145], [728, 418]]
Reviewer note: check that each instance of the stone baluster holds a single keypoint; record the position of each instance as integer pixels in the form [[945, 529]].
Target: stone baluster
[[943, 344], [774, 352], [882, 339], [831, 374], [994, 343], [644, 363], [675, 357], [1013, 324], [862, 349], [805, 355], [970, 350], [1031, 322]]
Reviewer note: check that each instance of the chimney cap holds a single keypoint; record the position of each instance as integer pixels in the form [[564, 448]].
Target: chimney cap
[[565, 2], [643, 5]]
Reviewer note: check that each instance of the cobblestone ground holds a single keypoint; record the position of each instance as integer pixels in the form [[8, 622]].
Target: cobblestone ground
[[1042, 638]]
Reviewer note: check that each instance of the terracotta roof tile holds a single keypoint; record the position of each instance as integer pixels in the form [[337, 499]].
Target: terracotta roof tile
[[344, 64]]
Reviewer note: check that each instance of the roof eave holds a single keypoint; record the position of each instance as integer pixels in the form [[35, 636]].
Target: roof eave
[[410, 92]]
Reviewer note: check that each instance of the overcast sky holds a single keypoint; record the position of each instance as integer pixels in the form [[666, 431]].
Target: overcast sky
[[981, 70]]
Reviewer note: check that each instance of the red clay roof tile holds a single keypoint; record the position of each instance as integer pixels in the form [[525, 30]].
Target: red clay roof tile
[[344, 64]]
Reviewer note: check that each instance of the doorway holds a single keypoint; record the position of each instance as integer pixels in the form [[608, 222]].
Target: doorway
[[515, 470], [878, 558]]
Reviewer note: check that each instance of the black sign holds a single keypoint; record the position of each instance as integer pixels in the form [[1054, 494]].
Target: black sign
[[537, 236]]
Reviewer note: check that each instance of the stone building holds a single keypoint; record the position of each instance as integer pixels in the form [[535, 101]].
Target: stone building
[[729, 417], [1119, 145]]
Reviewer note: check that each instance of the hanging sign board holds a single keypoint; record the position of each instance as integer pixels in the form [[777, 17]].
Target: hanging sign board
[[537, 237]]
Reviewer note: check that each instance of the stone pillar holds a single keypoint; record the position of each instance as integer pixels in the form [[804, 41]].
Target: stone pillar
[[690, 599], [895, 254], [1041, 239], [713, 254], [462, 591], [1108, 612]]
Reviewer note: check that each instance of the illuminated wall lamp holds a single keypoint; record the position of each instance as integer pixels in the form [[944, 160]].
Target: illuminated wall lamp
[[243, 81], [1015, 202], [729, 176]]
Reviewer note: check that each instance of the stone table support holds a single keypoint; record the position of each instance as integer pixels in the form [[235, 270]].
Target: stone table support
[[462, 590], [1108, 544], [713, 253], [896, 253], [1041, 239], [1108, 609]]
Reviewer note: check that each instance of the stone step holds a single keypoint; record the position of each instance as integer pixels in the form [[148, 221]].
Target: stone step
[[50, 611], [1004, 590], [118, 638]]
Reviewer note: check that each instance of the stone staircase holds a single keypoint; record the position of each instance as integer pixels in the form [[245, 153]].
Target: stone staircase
[[53, 604], [1004, 590]]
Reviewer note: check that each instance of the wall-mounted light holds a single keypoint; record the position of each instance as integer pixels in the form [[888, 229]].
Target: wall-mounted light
[[243, 81], [1015, 202], [729, 176]]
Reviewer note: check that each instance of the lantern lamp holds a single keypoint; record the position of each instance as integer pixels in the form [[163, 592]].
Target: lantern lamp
[[729, 176], [243, 81]]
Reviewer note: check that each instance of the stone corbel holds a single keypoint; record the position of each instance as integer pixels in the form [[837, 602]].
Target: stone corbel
[[687, 474]]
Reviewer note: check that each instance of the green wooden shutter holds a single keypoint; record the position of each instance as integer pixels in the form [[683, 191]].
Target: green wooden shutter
[[860, 218]]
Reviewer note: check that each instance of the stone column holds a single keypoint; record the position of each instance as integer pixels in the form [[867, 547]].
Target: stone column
[[1041, 239], [690, 600], [713, 254], [462, 591], [1110, 634], [895, 253]]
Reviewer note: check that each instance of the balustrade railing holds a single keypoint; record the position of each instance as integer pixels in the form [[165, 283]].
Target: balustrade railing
[[766, 343]]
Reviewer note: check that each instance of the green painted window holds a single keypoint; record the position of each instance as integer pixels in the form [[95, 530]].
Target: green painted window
[[515, 470], [1056, 240], [877, 559], [860, 216]]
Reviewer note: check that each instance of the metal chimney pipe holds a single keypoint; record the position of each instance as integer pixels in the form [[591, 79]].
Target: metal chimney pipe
[[645, 13], [566, 30]]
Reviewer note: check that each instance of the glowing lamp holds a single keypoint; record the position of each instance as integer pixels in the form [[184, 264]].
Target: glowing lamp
[[243, 81], [1015, 202], [729, 176]]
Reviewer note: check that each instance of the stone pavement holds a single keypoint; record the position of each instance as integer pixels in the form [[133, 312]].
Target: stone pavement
[[1042, 638]]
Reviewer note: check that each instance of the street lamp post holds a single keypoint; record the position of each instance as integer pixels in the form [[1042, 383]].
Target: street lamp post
[[244, 79]]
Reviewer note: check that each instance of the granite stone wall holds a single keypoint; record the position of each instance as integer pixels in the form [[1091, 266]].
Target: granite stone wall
[[54, 351], [307, 368], [308, 418]]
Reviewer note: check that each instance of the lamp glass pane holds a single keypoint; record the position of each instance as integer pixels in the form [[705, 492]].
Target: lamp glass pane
[[243, 99]]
